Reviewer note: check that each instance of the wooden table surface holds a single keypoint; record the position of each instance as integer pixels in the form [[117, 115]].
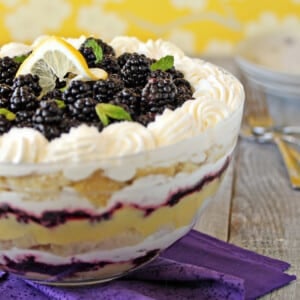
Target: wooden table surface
[[256, 208]]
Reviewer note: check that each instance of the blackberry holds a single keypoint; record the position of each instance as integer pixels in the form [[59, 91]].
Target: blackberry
[[47, 113], [24, 118], [28, 80], [129, 100], [175, 73], [5, 91], [89, 55], [8, 70], [49, 131], [67, 123], [160, 74], [5, 124], [4, 103], [60, 84], [77, 89], [184, 91], [145, 118], [104, 90], [136, 70], [138, 91], [122, 59], [22, 99], [83, 109], [109, 64], [47, 119], [158, 94], [54, 94], [160, 109]]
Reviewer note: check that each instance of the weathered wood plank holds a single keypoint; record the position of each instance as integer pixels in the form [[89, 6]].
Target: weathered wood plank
[[265, 210]]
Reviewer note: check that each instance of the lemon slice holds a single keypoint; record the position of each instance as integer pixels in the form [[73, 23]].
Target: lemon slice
[[54, 57]]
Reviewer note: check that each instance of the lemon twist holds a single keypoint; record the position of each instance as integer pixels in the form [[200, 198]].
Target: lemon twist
[[53, 58]]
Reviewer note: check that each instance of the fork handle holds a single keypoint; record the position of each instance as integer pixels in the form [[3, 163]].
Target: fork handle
[[291, 164]]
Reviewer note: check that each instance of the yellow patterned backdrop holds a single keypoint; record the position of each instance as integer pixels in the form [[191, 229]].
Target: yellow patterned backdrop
[[197, 26]]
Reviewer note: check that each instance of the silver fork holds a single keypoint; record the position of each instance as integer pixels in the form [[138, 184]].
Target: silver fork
[[258, 125]]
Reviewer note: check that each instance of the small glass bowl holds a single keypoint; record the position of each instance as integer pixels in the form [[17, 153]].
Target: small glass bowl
[[271, 61]]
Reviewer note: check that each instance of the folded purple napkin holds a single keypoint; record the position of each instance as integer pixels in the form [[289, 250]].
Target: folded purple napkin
[[196, 267]]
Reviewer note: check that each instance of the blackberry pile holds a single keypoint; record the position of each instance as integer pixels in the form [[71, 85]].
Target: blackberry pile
[[131, 85]]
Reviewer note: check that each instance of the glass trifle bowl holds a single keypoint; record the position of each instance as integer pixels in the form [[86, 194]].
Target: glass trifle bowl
[[89, 206]]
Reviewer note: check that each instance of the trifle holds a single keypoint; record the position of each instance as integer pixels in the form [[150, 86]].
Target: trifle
[[109, 151]]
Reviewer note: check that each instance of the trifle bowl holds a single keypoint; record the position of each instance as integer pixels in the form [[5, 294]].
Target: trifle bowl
[[91, 201]]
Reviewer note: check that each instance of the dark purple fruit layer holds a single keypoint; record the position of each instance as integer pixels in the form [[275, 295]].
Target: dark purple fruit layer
[[131, 85], [54, 218], [30, 264]]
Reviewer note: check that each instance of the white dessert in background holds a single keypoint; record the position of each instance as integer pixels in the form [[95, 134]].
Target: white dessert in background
[[105, 202]]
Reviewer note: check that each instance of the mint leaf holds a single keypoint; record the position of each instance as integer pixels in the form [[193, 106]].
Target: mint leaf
[[10, 116], [19, 59], [60, 103], [101, 115], [106, 111], [97, 50], [116, 112], [165, 63]]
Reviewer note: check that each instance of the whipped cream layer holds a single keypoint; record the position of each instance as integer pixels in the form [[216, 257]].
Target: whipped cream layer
[[208, 122], [147, 192]]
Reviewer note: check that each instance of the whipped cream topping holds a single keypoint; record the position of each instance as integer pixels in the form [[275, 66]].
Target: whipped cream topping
[[159, 48], [220, 87], [172, 127], [122, 44], [80, 144], [217, 96], [192, 69], [14, 49], [22, 145], [127, 138], [206, 113]]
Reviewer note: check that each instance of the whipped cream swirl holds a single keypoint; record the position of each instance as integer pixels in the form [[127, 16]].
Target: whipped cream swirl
[[191, 68], [159, 48], [206, 112], [172, 127], [80, 144], [221, 87], [14, 49], [126, 138], [22, 145], [123, 44]]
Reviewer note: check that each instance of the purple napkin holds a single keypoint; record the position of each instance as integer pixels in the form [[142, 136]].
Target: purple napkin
[[196, 267]]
